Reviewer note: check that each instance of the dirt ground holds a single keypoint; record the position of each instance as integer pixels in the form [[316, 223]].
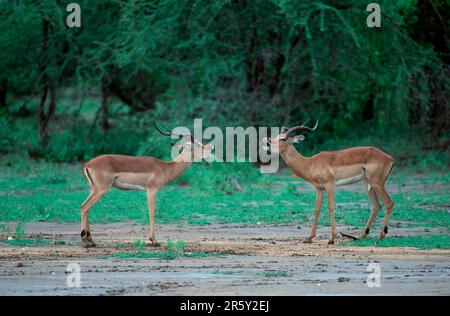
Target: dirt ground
[[248, 260]]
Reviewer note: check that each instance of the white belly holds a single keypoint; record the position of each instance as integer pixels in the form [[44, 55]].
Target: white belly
[[351, 180], [130, 181]]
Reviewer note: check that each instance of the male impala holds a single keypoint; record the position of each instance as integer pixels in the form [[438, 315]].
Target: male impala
[[333, 168], [137, 173]]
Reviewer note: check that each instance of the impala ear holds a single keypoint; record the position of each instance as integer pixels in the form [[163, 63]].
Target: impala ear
[[297, 139]]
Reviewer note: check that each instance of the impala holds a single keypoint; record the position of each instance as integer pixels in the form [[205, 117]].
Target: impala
[[329, 169], [137, 173]]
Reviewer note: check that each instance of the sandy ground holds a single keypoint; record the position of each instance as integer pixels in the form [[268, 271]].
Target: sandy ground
[[244, 253]]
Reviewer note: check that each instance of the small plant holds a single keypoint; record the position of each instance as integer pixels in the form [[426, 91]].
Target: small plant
[[17, 238], [274, 274], [20, 231], [227, 272], [139, 245], [172, 250], [6, 231], [28, 242], [176, 247]]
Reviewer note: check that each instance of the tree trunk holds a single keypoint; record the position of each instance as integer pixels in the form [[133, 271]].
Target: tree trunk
[[45, 116], [273, 87], [104, 108], [250, 72], [3, 93]]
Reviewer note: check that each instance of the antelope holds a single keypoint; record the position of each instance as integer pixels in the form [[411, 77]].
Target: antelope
[[137, 173], [329, 169]]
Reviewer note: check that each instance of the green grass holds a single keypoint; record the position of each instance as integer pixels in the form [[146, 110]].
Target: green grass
[[18, 238], [164, 255], [421, 242], [172, 250], [274, 274], [38, 191], [227, 272], [26, 242]]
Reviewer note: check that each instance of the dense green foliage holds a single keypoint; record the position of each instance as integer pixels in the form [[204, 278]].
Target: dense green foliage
[[68, 94]]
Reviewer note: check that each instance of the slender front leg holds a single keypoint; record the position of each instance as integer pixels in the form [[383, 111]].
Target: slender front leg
[[330, 193], [319, 200], [93, 198], [151, 198]]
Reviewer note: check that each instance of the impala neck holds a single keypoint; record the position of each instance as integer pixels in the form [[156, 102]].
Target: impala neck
[[178, 166], [298, 163]]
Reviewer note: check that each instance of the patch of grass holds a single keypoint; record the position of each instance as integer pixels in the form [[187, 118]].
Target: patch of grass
[[274, 274], [164, 255], [172, 250], [421, 242], [5, 230], [27, 242], [176, 247], [18, 239], [20, 231], [139, 245], [227, 272]]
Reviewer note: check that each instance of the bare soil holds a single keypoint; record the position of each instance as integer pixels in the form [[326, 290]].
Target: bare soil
[[244, 260]]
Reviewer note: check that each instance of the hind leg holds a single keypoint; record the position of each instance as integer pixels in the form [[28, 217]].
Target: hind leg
[[389, 204], [375, 208], [377, 176]]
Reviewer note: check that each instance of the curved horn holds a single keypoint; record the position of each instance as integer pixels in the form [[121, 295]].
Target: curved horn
[[303, 127], [167, 132]]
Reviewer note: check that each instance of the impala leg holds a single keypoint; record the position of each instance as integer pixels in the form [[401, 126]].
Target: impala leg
[[93, 198], [151, 197], [389, 204], [319, 200], [330, 194], [375, 208]]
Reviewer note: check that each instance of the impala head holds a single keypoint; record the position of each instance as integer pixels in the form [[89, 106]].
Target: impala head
[[189, 145], [287, 137]]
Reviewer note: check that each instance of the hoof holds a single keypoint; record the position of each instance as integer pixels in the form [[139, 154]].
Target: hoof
[[88, 244], [362, 236], [331, 242], [383, 232], [154, 244], [308, 240]]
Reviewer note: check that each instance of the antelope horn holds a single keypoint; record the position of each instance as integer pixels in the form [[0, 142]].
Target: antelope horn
[[303, 127], [167, 132]]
